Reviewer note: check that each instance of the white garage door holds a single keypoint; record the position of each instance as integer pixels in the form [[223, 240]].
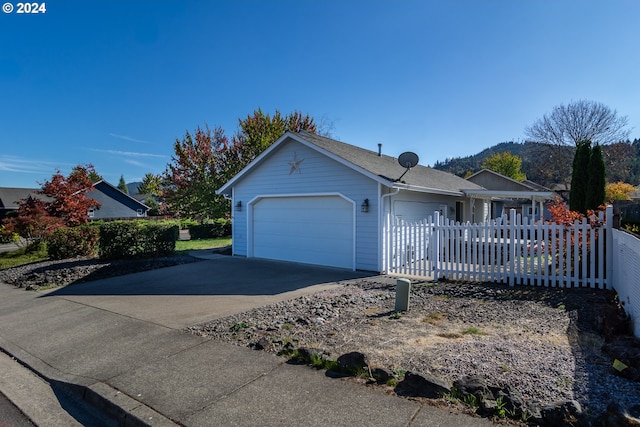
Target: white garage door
[[312, 230]]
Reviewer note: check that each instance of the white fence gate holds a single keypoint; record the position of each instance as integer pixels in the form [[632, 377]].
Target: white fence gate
[[507, 250]]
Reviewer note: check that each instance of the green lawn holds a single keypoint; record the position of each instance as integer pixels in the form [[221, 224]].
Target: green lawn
[[22, 256], [184, 246]]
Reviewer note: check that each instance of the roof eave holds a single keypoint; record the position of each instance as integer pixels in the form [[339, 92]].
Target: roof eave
[[430, 190], [226, 188], [489, 194]]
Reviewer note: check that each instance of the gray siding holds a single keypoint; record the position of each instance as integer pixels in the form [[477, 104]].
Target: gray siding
[[318, 175], [413, 206], [114, 204]]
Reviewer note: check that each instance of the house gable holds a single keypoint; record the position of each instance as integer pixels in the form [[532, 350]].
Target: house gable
[[295, 170], [114, 203], [382, 169], [492, 180]]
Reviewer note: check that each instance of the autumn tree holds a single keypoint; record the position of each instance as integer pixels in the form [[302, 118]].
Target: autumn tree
[[258, 131], [69, 195], [580, 121], [618, 191], [506, 164], [122, 185], [32, 221], [192, 177], [206, 160]]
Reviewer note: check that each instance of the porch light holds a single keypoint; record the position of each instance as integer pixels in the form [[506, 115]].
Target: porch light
[[364, 207], [239, 206]]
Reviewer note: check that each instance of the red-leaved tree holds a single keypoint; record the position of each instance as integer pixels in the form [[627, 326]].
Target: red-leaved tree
[[32, 221], [69, 195], [66, 204], [562, 215]]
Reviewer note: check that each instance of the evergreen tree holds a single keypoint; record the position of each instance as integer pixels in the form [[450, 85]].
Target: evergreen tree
[[122, 185], [580, 177], [596, 183]]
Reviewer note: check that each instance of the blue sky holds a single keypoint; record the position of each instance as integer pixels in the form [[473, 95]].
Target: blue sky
[[113, 83]]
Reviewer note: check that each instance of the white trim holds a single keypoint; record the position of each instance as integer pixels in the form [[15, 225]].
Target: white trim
[[419, 189], [488, 194], [382, 217], [379, 228], [233, 221], [256, 199]]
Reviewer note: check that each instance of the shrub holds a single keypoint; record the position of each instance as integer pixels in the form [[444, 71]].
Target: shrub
[[137, 239], [8, 236], [73, 242], [220, 227]]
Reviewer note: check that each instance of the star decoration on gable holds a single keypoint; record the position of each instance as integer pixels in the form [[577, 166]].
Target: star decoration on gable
[[295, 164]]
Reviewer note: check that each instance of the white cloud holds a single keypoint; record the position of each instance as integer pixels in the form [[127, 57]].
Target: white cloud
[[23, 165], [128, 138], [130, 153], [136, 163]]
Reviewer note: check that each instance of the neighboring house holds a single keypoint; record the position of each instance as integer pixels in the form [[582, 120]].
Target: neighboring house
[[504, 194], [316, 200], [114, 203], [9, 198]]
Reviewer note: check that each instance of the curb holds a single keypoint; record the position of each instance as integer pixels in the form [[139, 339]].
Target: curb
[[19, 382]]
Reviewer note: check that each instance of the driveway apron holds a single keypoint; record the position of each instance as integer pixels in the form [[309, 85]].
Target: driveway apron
[[117, 340]]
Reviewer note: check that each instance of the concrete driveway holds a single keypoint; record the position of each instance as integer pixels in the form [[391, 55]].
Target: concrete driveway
[[194, 293]]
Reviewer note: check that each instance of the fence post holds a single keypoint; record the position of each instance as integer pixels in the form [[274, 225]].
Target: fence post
[[512, 246], [435, 247], [608, 248]]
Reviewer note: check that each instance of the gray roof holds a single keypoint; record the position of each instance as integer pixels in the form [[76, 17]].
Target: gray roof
[[503, 182], [384, 169], [9, 197]]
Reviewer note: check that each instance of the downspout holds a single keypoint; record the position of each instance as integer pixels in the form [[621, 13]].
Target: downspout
[[233, 221], [385, 236]]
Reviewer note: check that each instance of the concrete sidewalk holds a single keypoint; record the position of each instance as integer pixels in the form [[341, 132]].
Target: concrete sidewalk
[[145, 372]]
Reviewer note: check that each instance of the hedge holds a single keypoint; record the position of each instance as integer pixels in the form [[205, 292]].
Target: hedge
[[73, 242], [218, 228], [136, 239]]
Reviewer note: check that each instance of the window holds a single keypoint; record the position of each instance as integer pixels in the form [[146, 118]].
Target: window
[[91, 212], [139, 212]]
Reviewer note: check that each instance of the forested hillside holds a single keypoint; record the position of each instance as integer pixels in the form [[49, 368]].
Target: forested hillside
[[549, 164]]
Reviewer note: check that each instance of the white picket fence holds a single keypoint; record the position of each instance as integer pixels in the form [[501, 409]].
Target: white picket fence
[[507, 250], [626, 274]]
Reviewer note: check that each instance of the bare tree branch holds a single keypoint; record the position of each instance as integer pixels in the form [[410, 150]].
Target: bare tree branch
[[580, 121]]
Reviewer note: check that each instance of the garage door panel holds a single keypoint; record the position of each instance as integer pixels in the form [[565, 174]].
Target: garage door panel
[[315, 230]]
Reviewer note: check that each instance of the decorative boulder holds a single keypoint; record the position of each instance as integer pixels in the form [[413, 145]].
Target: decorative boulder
[[422, 385]]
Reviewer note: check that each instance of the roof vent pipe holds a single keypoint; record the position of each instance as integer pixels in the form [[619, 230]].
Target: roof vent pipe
[[379, 149]]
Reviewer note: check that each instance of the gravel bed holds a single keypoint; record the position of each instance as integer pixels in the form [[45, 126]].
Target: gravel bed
[[543, 342], [47, 274]]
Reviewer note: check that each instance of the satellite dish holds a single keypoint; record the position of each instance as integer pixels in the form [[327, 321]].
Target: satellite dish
[[407, 160]]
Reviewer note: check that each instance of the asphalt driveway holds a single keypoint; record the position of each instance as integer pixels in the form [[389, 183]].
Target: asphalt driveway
[[194, 293]]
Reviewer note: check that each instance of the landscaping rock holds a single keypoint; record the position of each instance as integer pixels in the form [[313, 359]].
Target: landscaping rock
[[422, 385], [305, 354], [381, 375], [617, 416], [475, 385], [353, 362], [261, 344], [563, 414]]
